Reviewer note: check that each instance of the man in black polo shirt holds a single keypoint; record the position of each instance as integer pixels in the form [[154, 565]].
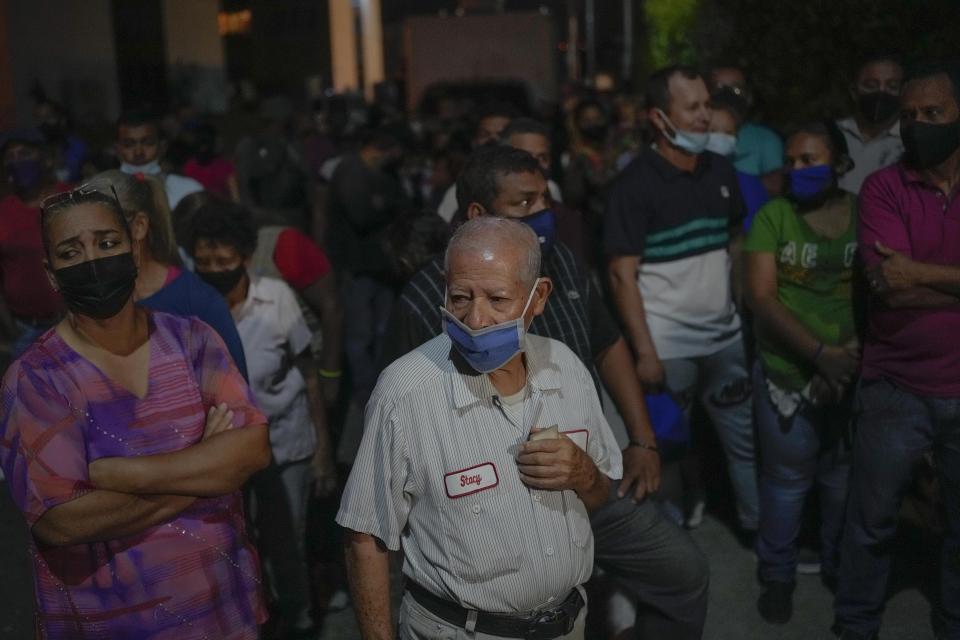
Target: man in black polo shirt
[[669, 220], [634, 542]]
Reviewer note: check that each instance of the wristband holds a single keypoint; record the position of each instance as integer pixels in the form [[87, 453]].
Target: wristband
[[643, 445], [817, 353], [329, 374]]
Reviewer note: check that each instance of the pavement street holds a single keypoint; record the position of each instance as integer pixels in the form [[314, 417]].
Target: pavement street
[[732, 614]]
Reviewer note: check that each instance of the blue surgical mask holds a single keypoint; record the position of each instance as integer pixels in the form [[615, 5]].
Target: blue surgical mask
[[544, 224], [809, 183], [490, 348], [692, 142], [722, 144]]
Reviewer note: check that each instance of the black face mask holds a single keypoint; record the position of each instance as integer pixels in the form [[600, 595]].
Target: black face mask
[[877, 106], [594, 133], [928, 145], [98, 288], [223, 281]]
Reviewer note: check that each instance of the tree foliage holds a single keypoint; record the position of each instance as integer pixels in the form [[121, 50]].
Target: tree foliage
[[800, 56]]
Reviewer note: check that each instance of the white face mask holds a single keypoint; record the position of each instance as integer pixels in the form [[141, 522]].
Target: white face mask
[[689, 141], [722, 144], [149, 169]]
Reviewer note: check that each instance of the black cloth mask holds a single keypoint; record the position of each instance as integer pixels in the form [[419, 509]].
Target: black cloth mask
[[927, 145], [223, 281], [877, 106], [98, 288]]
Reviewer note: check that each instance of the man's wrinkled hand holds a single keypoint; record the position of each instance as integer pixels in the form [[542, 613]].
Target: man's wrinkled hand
[[641, 473], [555, 464]]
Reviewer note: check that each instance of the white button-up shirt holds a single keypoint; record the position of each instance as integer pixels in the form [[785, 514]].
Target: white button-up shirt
[[868, 156], [274, 333], [437, 475]]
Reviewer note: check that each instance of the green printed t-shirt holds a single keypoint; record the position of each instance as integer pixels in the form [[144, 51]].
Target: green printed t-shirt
[[813, 283]]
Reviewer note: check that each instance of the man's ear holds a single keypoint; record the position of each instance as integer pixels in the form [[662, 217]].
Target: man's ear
[[161, 149], [543, 290], [656, 117], [475, 210]]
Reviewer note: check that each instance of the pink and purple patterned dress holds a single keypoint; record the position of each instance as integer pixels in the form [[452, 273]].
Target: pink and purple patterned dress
[[196, 576]]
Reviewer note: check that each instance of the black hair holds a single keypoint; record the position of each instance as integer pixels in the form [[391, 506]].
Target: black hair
[[836, 143], [927, 70], [479, 180], [60, 203], [522, 126], [383, 138], [497, 109], [875, 56], [658, 85], [224, 223], [726, 100], [139, 118], [414, 238]]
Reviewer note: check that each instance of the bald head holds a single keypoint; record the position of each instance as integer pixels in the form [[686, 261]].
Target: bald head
[[488, 240]]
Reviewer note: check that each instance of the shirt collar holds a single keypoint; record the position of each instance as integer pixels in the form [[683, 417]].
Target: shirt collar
[[256, 296], [471, 388]]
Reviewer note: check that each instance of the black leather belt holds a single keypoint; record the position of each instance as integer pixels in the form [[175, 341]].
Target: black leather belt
[[540, 625]]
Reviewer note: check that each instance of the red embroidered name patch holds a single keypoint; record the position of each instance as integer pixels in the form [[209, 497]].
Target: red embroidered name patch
[[471, 480]]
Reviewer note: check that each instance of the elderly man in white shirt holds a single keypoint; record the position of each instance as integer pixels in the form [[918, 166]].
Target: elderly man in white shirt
[[484, 450]]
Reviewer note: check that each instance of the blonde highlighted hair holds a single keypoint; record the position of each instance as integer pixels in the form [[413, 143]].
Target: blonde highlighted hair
[[142, 193]]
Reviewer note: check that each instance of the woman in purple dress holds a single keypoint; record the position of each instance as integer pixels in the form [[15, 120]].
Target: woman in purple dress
[[125, 436]]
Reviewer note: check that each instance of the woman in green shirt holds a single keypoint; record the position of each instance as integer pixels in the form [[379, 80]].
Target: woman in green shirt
[[800, 256]]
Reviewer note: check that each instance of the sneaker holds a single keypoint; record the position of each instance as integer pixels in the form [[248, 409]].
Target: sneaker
[[695, 517], [808, 562], [339, 601], [776, 602]]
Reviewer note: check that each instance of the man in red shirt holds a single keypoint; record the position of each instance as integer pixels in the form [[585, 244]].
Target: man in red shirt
[[28, 304]]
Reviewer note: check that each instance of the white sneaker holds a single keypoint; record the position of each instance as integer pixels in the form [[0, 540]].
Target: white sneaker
[[695, 517]]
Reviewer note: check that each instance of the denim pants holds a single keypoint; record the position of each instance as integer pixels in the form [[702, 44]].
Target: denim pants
[[655, 561], [366, 309], [895, 428], [795, 452], [722, 384]]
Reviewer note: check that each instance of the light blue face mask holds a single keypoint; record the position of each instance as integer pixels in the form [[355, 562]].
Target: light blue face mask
[[693, 142], [722, 144], [490, 348]]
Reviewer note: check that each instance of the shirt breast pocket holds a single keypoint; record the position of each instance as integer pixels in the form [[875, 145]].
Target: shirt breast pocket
[[481, 535]]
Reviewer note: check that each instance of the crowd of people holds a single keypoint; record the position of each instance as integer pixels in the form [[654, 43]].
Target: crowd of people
[[434, 320]]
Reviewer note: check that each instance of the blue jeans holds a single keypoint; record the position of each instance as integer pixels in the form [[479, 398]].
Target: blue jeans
[[721, 382], [366, 310], [793, 453], [895, 428]]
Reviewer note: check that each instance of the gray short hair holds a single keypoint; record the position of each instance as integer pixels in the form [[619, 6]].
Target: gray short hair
[[487, 231]]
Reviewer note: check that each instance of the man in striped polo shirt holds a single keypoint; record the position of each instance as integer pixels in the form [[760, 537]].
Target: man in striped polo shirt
[[454, 467], [669, 221]]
